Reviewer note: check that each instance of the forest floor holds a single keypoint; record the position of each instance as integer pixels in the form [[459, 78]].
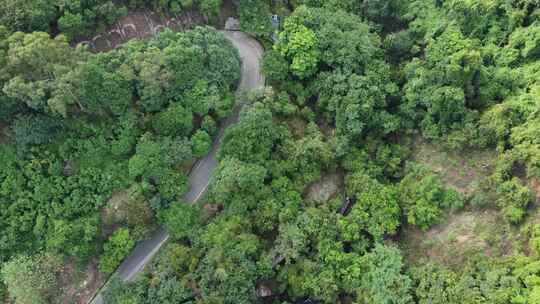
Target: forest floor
[[113, 211], [79, 285], [465, 232], [458, 238], [2, 133], [534, 185], [330, 186], [227, 10], [471, 230], [144, 23], [461, 171], [462, 234]]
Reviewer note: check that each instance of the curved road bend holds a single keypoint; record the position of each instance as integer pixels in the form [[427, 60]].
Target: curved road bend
[[251, 53]]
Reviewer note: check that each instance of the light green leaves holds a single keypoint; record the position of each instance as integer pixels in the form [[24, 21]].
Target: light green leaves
[[299, 44]]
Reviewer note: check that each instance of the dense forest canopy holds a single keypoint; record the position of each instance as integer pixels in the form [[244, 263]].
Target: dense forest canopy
[[96, 148], [83, 125], [75, 18]]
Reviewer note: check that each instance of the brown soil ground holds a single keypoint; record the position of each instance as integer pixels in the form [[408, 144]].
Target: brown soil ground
[[328, 187], [227, 10], [79, 286], [140, 24], [464, 233], [461, 236], [110, 214], [472, 231], [2, 133], [461, 171], [327, 130], [534, 185], [296, 125]]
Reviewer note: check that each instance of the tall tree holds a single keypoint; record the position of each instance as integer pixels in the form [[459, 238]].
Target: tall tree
[[35, 63], [32, 279]]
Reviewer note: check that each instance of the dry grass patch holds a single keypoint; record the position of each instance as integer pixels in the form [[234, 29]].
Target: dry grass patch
[[463, 171], [462, 235]]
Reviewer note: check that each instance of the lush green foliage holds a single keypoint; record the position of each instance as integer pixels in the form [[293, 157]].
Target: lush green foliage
[[32, 279], [483, 281], [267, 232], [115, 250], [77, 19], [316, 187], [514, 198], [82, 126], [376, 211], [72, 17], [181, 220], [351, 81], [423, 196], [341, 63], [254, 18]]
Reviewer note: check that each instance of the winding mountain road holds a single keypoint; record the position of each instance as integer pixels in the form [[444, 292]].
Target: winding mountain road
[[251, 53]]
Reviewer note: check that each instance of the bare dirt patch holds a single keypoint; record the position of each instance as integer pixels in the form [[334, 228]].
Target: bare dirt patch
[[3, 135], [534, 185], [227, 10], [463, 171], [140, 24], [296, 125], [327, 129], [468, 232], [462, 235], [79, 285], [112, 213], [117, 200], [327, 188]]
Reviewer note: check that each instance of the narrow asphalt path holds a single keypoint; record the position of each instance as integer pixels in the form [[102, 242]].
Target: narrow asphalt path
[[251, 53]]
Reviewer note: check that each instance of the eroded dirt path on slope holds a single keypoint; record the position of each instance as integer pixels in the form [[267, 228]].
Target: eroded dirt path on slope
[[141, 24]]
